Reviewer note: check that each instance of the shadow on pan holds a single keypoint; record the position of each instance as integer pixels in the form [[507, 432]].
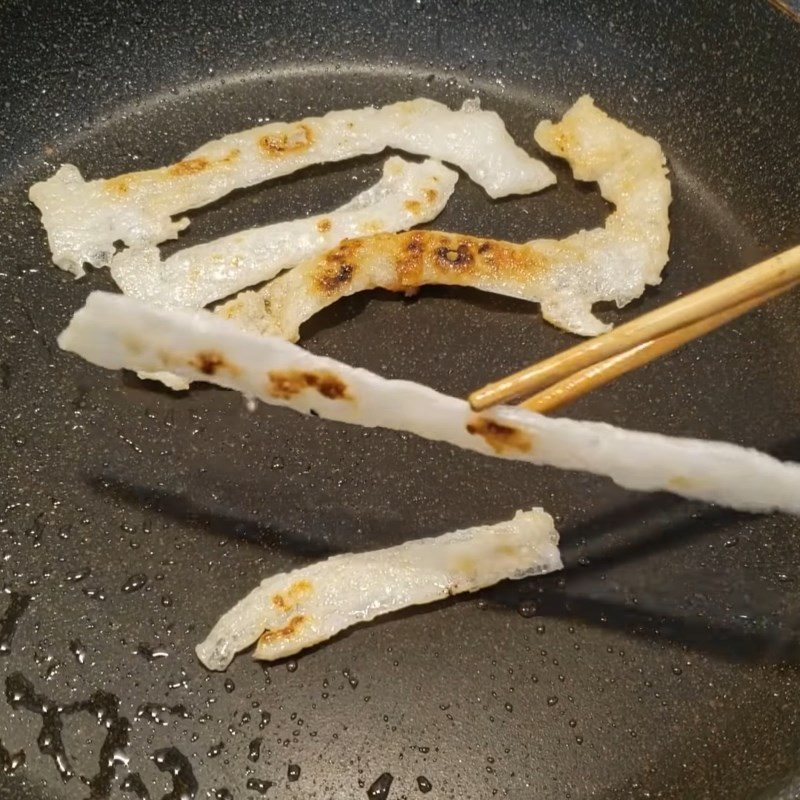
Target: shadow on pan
[[627, 535]]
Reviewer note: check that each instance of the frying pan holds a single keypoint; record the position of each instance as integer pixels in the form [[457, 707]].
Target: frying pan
[[663, 661]]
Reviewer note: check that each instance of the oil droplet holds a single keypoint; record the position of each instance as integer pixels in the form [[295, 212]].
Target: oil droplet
[[291, 665], [223, 794], [540, 629], [254, 749], [135, 582], [229, 685], [677, 671], [95, 594], [527, 609], [8, 624], [215, 749], [351, 679], [265, 718], [551, 701], [258, 785], [423, 784], [508, 707], [154, 712], [379, 790], [293, 772], [74, 577], [78, 650]]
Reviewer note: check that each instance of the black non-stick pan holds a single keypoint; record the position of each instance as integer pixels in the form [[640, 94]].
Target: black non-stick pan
[[662, 663]]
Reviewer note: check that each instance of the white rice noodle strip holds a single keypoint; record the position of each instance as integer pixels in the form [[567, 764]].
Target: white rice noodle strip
[[565, 276], [408, 194], [116, 331], [84, 219], [294, 610]]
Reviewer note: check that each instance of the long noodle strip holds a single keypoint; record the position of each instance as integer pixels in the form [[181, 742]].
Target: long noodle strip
[[288, 612], [116, 331], [85, 219]]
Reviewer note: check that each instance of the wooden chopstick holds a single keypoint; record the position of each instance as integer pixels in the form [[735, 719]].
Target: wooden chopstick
[[586, 380], [755, 284]]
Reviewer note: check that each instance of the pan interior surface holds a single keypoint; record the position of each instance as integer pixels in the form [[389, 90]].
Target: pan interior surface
[[661, 663]]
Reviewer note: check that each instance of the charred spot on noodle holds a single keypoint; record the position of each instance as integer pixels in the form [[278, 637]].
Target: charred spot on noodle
[[286, 384], [455, 258], [189, 166], [210, 362], [279, 144], [289, 630], [287, 600], [501, 438], [332, 281]]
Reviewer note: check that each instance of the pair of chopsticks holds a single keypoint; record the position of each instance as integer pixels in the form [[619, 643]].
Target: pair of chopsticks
[[566, 376]]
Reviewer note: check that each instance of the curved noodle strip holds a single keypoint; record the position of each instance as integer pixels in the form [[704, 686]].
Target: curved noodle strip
[[408, 194], [116, 331], [84, 219], [289, 612], [565, 276]]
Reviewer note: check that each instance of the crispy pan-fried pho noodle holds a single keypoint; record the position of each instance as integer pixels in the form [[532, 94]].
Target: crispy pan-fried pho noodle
[[84, 219], [293, 610], [116, 331], [408, 194], [565, 276]]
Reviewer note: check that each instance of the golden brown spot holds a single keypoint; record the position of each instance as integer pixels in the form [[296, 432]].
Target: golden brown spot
[[431, 195], [467, 566], [413, 206], [210, 362], [119, 185], [337, 268], [324, 225], [134, 344], [288, 383], [274, 145], [334, 280], [371, 226], [408, 265], [286, 632], [501, 438], [190, 166], [562, 140], [458, 258], [507, 550], [287, 600]]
